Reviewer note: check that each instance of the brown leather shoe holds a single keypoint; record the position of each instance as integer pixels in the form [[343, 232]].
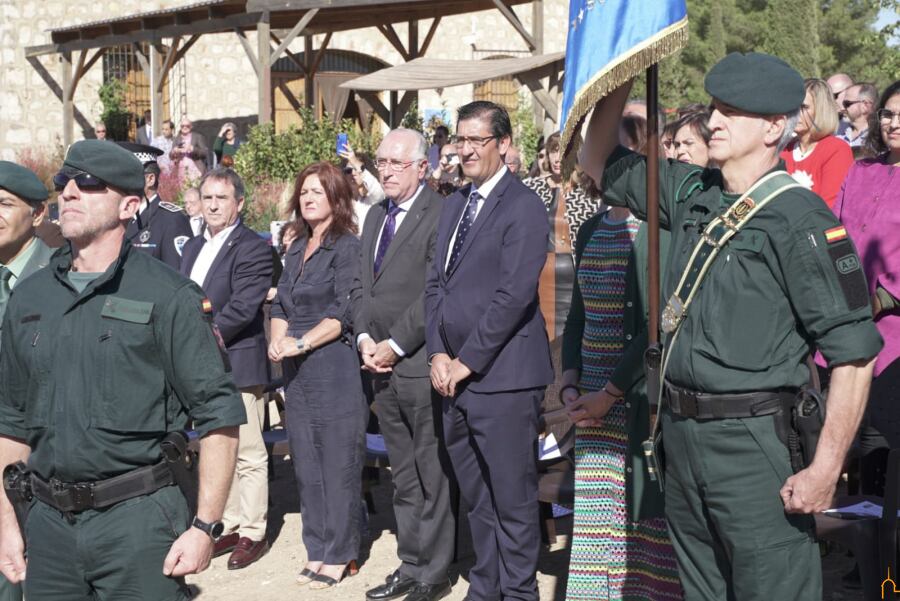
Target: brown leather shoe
[[246, 552], [226, 544]]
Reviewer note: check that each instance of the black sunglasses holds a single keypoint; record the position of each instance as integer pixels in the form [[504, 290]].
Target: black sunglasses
[[84, 181], [848, 103]]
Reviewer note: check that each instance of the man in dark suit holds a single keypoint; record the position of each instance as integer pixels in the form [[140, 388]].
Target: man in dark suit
[[389, 320], [490, 357], [160, 228], [233, 265], [144, 134]]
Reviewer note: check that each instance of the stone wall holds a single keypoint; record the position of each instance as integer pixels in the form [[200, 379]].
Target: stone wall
[[220, 82]]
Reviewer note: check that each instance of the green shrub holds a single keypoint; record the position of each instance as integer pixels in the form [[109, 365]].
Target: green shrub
[[114, 115], [268, 161]]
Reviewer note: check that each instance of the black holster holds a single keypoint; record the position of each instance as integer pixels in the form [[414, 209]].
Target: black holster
[[182, 462], [17, 484], [799, 426]]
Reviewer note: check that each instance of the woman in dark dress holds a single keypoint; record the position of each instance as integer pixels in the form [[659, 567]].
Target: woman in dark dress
[[326, 411]]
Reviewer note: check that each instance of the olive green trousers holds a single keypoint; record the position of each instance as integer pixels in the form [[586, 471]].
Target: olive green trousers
[[114, 554], [727, 523]]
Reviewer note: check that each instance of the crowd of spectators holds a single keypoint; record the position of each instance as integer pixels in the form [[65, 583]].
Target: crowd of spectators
[[845, 148]]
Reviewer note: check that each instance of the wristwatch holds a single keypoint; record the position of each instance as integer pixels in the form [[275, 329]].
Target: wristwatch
[[213, 529], [303, 346]]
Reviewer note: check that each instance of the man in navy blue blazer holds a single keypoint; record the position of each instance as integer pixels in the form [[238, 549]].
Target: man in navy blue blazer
[[490, 357], [233, 265]]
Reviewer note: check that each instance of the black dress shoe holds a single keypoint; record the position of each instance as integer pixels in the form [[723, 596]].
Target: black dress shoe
[[396, 585], [428, 592]]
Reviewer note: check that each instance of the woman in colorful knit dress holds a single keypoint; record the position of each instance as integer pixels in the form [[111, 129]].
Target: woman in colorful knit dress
[[620, 547]]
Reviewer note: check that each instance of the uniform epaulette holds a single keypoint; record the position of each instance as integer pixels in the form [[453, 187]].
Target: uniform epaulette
[[169, 206]]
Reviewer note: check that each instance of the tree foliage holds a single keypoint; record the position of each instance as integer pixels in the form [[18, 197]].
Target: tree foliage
[[114, 116], [818, 37]]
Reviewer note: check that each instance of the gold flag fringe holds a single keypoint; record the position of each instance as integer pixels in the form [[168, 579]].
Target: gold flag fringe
[[663, 44]]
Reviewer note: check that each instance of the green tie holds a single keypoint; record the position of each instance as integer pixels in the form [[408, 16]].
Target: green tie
[[5, 274]]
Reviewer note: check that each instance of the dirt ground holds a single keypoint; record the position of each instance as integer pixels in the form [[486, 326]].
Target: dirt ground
[[272, 577]]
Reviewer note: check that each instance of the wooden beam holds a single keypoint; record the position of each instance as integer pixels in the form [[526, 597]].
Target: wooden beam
[[288, 54], [320, 54], [295, 104], [541, 95], [296, 30], [74, 77], [388, 32], [264, 75], [248, 49], [309, 81], [429, 36], [156, 98], [57, 91], [139, 53], [516, 23], [65, 64], [167, 63], [405, 103], [187, 46], [376, 104], [83, 66]]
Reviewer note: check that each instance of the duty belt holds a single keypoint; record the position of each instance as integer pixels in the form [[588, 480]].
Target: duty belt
[[701, 405], [73, 497]]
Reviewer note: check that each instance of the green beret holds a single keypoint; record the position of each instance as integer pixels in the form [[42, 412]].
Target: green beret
[[22, 182], [107, 161], [756, 83]]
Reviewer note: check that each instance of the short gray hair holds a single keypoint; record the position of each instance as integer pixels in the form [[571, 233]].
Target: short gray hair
[[788, 134], [420, 148], [224, 174]]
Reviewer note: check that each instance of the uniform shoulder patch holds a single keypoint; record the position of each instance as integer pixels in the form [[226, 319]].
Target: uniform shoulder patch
[[835, 234], [206, 305], [169, 206]]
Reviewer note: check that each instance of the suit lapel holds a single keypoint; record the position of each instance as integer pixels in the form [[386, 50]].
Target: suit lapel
[[490, 203], [410, 223], [39, 259], [223, 252], [371, 239]]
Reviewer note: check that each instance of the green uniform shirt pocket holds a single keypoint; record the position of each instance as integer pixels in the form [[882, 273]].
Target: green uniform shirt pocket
[[133, 390]]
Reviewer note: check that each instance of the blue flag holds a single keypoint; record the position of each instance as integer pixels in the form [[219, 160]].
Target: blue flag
[[610, 42]]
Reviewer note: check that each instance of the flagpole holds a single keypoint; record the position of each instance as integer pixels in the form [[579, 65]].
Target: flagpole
[[653, 202]]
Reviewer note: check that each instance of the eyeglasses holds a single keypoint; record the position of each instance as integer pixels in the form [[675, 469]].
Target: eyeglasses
[[85, 182], [886, 116], [473, 141], [848, 103], [448, 157], [396, 166]]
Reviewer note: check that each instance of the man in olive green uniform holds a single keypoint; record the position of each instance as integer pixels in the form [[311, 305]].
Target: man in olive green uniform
[[22, 209], [104, 352], [789, 280]]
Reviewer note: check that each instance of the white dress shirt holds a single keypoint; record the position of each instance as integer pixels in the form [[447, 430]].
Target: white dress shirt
[[196, 224], [483, 192], [209, 252], [404, 207]]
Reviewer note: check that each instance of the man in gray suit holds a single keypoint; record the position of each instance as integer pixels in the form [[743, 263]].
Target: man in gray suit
[[389, 320], [22, 209]]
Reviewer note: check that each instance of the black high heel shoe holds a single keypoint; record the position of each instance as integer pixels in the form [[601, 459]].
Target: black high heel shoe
[[322, 582]]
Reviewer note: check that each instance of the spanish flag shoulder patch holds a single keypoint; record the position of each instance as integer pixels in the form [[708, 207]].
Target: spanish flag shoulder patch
[[835, 234], [206, 305]]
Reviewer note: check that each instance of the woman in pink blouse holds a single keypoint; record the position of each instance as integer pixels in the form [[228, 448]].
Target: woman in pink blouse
[[869, 207]]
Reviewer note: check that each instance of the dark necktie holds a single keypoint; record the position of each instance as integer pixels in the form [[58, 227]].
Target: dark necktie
[[5, 274], [387, 234], [462, 230]]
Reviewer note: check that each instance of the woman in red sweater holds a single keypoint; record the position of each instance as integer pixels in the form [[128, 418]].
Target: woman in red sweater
[[816, 158]]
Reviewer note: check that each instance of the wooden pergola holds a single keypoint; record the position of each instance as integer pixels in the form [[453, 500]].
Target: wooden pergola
[[169, 34]]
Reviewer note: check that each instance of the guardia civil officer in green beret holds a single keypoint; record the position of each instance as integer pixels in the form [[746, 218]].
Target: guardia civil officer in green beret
[[760, 272], [104, 352], [22, 209]]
